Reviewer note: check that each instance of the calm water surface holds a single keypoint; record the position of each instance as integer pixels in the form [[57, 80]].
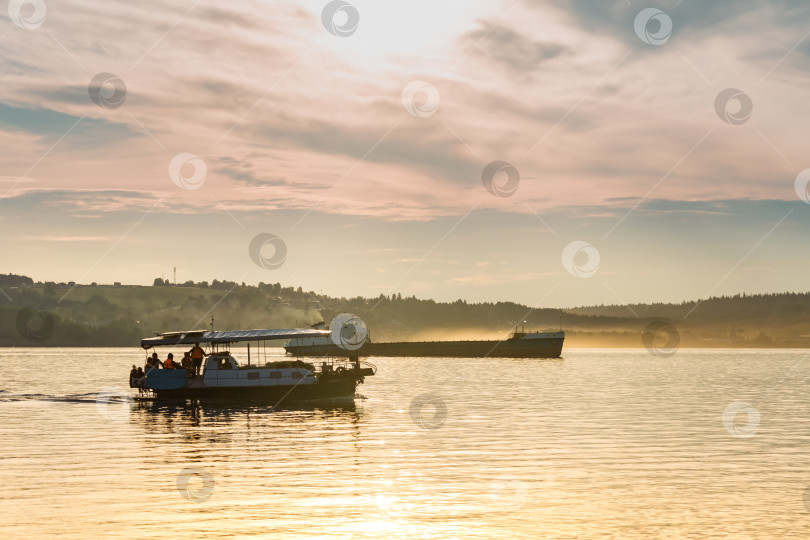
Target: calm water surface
[[600, 444]]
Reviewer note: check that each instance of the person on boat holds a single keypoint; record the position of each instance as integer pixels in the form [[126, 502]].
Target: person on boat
[[224, 363], [136, 377], [169, 362], [185, 363], [197, 354], [153, 362]]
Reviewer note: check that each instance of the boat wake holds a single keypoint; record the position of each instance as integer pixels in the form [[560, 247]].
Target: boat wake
[[92, 397]]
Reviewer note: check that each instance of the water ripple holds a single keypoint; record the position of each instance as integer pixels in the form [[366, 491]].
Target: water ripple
[[600, 444]]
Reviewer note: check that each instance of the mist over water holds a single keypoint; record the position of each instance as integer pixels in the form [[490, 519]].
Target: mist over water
[[598, 444]]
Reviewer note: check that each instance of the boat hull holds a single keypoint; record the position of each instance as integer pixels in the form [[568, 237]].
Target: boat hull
[[266, 394], [509, 348]]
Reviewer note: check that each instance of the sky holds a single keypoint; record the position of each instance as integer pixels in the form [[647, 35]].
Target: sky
[[554, 153]]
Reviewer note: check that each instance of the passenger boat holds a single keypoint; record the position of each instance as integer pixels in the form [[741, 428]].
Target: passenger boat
[[518, 345], [223, 376]]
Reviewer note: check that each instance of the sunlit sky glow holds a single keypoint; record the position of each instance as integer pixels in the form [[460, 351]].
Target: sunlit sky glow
[[304, 135]]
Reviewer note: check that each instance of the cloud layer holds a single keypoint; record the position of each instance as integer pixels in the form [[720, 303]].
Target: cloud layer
[[293, 120]]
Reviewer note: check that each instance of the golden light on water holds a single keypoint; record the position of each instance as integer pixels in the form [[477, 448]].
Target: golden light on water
[[454, 169], [576, 460]]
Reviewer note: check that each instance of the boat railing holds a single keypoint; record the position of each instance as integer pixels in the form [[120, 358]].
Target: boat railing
[[369, 364]]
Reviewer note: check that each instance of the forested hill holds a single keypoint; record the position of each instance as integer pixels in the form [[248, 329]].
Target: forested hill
[[68, 314], [783, 306]]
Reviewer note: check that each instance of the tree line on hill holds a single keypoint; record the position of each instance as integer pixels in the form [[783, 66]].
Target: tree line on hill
[[51, 314]]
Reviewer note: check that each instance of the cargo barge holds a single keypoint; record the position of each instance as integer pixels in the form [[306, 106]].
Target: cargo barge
[[517, 345]]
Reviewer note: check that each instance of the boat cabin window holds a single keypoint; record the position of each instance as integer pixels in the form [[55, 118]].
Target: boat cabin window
[[225, 363], [212, 364], [275, 374], [221, 362], [296, 375]]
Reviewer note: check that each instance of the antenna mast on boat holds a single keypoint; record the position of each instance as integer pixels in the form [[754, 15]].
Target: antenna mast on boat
[[212, 323]]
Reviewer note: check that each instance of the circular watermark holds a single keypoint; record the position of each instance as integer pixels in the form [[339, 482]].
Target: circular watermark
[[806, 498], [505, 171], [187, 171], [581, 259], [114, 404], [349, 331], [421, 407], [340, 18], [35, 324], [737, 428], [420, 99], [27, 14], [661, 339], [108, 91], [258, 251], [801, 185], [195, 484], [508, 493], [653, 26], [729, 114]]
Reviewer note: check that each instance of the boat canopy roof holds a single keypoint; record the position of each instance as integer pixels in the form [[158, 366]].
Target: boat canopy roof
[[231, 336]]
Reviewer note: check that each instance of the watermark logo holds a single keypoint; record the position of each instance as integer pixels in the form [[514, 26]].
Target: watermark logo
[[340, 18], [35, 324], [428, 411], [27, 14], [420, 99], [653, 26], [661, 339], [581, 259], [187, 171], [735, 425], [806, 498], [114, 404], [195, 484], [802, 182], [508, 493], [267, 251], [108, 91], [505, 171], [349, 332], [736, 116]]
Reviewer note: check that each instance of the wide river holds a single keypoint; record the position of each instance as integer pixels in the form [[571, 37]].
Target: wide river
[[599, 444]]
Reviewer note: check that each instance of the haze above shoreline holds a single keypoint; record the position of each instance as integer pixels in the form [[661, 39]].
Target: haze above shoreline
[[70, 314]]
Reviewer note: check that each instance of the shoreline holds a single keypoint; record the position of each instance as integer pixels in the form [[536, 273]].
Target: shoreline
[[580, 347]]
